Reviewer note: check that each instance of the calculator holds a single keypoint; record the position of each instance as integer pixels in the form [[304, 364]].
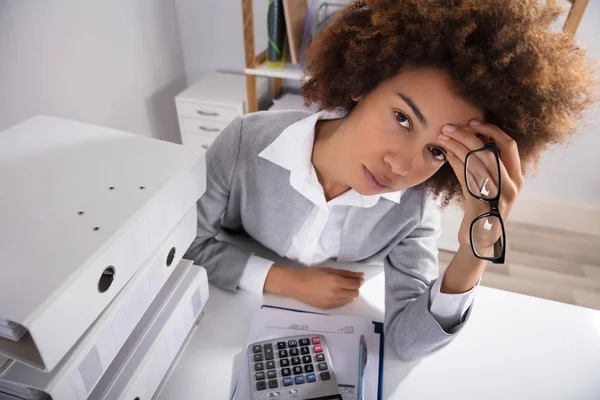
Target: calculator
[[294, 367]]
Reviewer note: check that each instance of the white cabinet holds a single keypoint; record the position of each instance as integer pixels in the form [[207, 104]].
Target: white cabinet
[[208, 106]]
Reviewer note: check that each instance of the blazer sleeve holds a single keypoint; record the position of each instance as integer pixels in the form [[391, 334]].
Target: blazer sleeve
[[410, 272], [224, 262]]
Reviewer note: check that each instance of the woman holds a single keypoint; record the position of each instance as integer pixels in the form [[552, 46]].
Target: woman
[[406, 90]]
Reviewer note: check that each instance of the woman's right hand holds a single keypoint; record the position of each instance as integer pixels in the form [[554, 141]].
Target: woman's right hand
[[320, 287]]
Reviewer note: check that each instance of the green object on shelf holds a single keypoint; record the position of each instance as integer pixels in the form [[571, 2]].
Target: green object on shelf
[[276, 34]]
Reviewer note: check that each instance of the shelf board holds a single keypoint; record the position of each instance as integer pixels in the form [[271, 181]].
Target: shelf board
[[289, 71]]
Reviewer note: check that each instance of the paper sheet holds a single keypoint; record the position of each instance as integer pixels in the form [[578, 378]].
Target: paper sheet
[[342, 335]]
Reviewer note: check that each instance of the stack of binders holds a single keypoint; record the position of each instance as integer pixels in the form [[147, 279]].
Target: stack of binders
[[95, 298]]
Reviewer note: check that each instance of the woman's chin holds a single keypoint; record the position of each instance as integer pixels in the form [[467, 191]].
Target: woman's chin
[[365, 190]]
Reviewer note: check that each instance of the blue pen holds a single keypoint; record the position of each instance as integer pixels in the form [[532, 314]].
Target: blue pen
[[362, 365]]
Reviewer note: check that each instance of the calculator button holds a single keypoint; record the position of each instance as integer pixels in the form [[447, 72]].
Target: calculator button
[[309, 368], [304, 342], [280, 345], [273, 374], [288, 382], [296, 361], [318, 348], [283, 353], [286, 372], [273, 384], [294, 352], [257, 348], [311, 378], [259, 366], [292, 343], [316, 340], [325, 376], [304, 350], [322, 366], [260, 376], [320, 357], [299, 379], [269, 351], [258, 357], [274, 394], [306, 359], [270, 364], [284, 362], [262, 385], [293, 391], [297, 370]]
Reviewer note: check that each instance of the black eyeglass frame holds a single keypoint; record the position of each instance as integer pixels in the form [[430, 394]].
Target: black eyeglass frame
[[493, 203]]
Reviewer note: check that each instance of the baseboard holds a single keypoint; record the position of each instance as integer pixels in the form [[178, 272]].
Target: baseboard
[[570, 217], [532, 211]]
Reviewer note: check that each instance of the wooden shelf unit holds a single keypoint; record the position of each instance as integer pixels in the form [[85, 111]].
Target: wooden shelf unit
[[256, 64]]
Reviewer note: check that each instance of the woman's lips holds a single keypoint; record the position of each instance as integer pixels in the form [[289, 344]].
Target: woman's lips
[[372, 180]]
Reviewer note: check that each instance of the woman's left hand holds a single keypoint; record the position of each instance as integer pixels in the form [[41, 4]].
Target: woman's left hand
[[458, 142]]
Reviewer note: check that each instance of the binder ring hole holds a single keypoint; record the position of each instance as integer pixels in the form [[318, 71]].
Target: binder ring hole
[[111, 188], [106, 279], [142, 187], [96, 228], [80, 213], [170, 256]]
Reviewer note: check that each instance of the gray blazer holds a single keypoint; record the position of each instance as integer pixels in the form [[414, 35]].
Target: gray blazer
[[249, 194]]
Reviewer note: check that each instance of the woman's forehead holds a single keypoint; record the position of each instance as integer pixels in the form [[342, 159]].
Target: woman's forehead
[[433, 93]]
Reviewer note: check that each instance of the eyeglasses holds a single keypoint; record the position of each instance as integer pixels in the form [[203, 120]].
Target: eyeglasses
[[484, 182]]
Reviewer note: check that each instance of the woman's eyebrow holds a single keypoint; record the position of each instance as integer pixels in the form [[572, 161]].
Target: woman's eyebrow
[[414, 108]]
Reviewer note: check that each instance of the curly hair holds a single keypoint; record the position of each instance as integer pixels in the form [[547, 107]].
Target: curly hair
[[531, 82]]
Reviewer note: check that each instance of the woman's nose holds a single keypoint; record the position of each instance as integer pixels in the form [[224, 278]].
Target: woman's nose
[[398, 164]]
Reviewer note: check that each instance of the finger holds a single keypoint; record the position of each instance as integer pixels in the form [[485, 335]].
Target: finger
[[461, 135], [458, 146], [339, 302], [453, 146], [349, 293], [509, 151], [482, 180], [348, 283], [481, 164], [458, 167], [509, 190], [346, 273]]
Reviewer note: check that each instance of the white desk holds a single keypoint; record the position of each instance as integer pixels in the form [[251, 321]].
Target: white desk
[[514, 347]]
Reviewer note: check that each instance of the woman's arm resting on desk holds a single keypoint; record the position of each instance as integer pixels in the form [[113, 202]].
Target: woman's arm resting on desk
[[224, 262], [417, 314]]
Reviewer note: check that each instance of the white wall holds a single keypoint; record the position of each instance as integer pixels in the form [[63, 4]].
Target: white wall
[[212, 35], [115, 63]]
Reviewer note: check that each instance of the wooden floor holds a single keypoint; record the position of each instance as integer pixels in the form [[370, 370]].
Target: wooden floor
[[552, 264]]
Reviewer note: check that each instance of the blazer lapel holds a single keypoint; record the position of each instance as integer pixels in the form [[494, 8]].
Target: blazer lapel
[[287, 208], [358, 241]]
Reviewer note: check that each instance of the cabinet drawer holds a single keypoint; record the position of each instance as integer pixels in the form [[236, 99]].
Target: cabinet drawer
[[201, 126], [196, 140], [210, 112]]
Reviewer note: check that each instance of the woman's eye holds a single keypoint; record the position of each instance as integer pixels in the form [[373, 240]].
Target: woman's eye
[[402, 119], [438, 153]]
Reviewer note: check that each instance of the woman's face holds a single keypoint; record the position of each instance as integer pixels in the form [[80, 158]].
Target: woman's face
[[391, 136]]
